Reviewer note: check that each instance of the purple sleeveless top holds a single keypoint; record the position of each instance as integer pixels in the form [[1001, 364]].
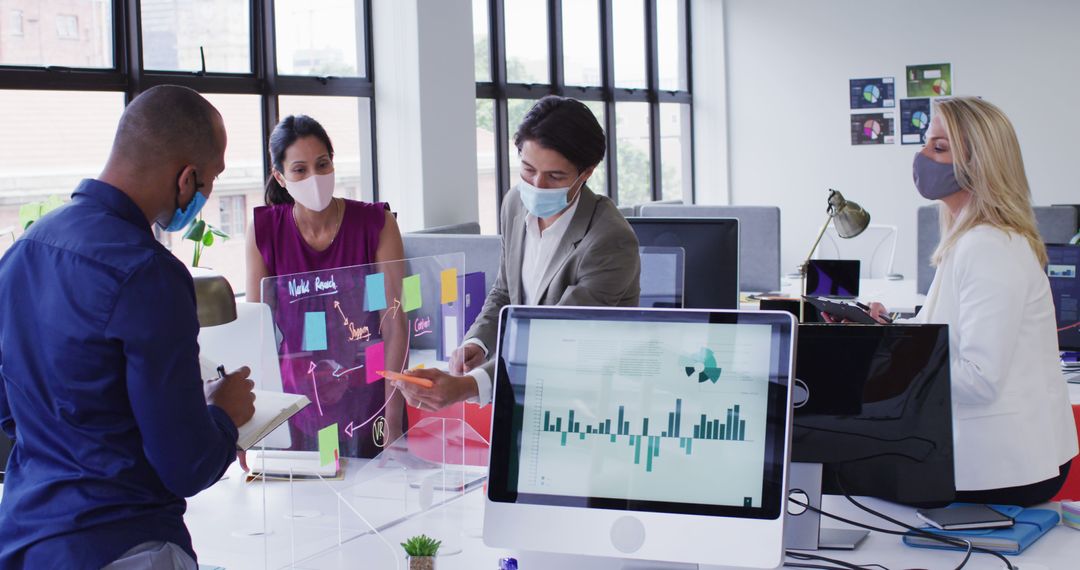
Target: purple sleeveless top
[[344, 399], [284, 250]]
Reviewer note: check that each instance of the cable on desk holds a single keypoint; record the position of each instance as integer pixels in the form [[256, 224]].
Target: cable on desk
[[950, 541], [819, 558], [932, 536]]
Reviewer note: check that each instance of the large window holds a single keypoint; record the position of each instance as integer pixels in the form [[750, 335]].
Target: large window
[[68, 67], [628, 60]]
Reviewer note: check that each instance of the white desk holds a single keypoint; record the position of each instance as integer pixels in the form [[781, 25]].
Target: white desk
[[218, 516]]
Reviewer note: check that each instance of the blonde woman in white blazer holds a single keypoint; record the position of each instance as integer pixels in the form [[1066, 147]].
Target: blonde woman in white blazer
[[1013, 428]]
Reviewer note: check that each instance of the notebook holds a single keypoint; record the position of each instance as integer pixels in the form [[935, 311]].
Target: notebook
[[1029, 525], [277, 464], [271, 410]]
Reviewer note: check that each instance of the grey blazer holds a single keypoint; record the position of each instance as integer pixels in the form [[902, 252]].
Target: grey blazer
[[596, 264]]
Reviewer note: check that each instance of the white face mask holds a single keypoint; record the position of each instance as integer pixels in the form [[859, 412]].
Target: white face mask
[[313, 192]]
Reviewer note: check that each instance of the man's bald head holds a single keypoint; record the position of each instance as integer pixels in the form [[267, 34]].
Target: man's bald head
[[168, 125]]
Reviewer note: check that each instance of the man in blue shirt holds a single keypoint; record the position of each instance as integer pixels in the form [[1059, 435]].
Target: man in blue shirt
[[101, 389]]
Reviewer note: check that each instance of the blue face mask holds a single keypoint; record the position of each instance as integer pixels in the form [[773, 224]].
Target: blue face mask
[[183, 216], [544, 202]]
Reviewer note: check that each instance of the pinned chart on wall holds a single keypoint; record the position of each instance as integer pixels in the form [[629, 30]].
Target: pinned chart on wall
[[375, 292], [929, 80], [914, 120], [314, 331], [329, 445], [873, 92], [449, 278], [412, 297], [872, 128]]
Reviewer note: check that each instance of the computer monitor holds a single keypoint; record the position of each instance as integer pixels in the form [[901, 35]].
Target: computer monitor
[[1064, 261], [712, 256], [833, 278], [645, 434], [662, 274], [873, 405]]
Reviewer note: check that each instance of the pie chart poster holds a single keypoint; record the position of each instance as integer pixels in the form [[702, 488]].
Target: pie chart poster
[[873, 93], [914, 120], [872, 128], [933, 80]]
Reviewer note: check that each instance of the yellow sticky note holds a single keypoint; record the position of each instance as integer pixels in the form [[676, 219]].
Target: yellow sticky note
[[449, 285]]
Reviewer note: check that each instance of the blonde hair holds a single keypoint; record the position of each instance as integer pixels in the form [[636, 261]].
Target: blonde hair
[[986, 162]]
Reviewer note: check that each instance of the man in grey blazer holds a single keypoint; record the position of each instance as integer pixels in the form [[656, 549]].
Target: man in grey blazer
[[562, 245]]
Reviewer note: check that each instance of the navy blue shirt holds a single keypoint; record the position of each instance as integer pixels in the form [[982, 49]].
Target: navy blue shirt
[[100, 389]]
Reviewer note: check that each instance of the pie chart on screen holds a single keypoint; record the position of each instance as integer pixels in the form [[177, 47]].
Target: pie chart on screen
[[872, 129], [920, 120], [871, 93], [941, 87]]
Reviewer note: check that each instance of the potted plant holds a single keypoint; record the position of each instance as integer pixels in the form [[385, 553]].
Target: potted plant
[[421, 551]]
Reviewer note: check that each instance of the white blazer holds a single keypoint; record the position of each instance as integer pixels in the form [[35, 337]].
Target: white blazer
[[1012, 423]]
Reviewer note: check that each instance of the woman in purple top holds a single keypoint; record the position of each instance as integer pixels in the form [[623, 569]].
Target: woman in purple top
[[303, 228]]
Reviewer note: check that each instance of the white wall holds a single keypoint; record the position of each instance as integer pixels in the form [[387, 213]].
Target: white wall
[[425, 93], [788, 63], [710, 103]]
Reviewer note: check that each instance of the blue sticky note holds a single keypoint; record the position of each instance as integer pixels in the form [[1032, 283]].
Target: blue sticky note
[[314, 331], [375, 292]]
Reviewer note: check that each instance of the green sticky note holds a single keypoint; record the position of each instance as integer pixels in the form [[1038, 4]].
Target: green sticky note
[[328, 444], [412, 298]]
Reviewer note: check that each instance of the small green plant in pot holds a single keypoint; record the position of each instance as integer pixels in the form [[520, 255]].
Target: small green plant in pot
[[421, 551]]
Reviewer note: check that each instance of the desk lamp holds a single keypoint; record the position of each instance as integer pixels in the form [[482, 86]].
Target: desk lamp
[[214, 298], [849, 218]]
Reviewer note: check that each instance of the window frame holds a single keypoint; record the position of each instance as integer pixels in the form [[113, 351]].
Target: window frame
[[501, 91], [128, 76]]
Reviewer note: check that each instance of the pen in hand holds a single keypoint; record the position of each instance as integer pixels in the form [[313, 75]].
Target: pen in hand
[[867, 309]]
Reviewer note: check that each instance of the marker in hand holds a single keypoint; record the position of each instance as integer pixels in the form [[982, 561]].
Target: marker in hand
[[867, 309], [423, 382]]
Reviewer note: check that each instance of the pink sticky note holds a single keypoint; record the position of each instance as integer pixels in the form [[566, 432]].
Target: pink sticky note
[[374, 362]]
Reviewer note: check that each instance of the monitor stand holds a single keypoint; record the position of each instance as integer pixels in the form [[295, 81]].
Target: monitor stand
[[802, 529]]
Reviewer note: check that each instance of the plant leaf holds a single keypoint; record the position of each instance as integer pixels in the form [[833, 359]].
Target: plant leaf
[[195, 232], [208, 239]]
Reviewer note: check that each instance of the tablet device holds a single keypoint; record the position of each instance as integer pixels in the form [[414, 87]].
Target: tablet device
[[841, 310], [964, 517]]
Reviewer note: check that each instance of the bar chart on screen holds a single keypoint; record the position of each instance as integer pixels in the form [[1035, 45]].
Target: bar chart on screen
[[642, 415]]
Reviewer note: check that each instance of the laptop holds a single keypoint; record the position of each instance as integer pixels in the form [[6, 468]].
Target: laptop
[[833, 278]]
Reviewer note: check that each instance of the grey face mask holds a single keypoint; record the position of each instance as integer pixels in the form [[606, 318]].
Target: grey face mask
[[934, 180]]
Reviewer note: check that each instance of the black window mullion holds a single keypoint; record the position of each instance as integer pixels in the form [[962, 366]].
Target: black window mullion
[[369, 72], [265, 67], [132, 41], [652, 64], [557, 76], [497, 35], [607, 70], [690, 90]]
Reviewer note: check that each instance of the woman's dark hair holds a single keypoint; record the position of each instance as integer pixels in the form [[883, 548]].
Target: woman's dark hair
[[566, 126], [285, 134]]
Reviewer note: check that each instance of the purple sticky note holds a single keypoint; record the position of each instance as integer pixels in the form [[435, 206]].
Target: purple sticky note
[[374, 362]]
